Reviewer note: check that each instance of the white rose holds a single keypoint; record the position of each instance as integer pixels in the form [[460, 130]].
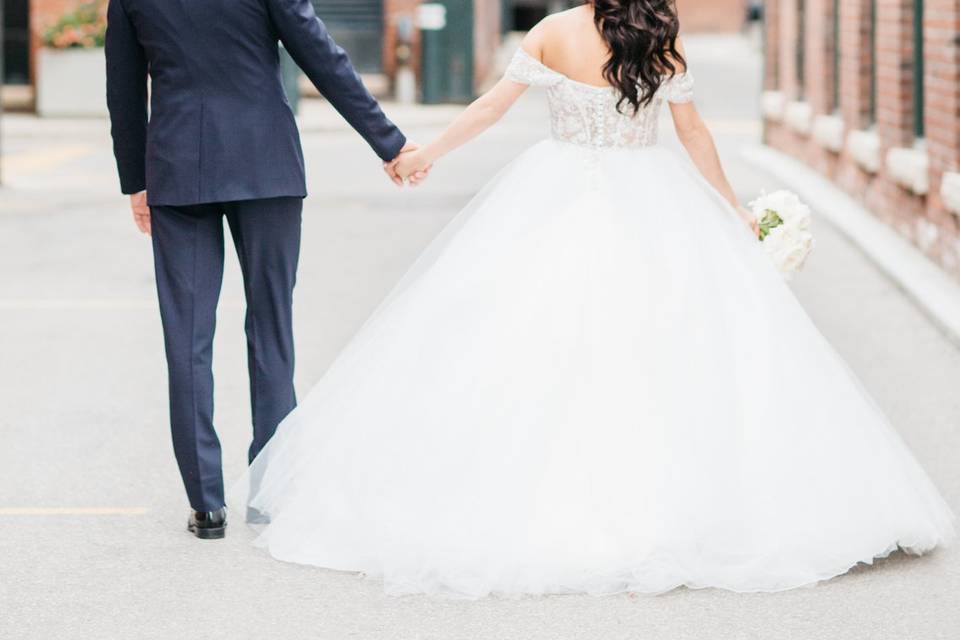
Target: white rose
[[786, 204], [797, 219], [775, 201], [788, 248], [796, 214]]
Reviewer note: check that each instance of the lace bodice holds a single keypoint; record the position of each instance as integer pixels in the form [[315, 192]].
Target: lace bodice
[[587, 115]]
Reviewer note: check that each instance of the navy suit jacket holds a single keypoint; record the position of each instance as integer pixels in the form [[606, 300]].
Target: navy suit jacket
[[220, 128]]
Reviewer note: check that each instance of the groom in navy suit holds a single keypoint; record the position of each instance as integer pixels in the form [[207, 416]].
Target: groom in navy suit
[[220, 141]]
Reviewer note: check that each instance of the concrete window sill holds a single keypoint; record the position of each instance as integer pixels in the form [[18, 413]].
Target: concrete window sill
[[829, 132], [864, 148], [950, 192], [773, 104], [910, 168], [799, 117]]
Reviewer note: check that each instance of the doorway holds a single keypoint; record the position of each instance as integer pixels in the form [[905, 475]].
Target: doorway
[[16, 42]]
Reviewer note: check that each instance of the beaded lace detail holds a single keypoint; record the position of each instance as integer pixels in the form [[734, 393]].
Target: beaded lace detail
[[587, 115]]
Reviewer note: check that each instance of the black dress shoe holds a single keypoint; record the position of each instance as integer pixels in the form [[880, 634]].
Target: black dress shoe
[[208, 525], [255, 516]]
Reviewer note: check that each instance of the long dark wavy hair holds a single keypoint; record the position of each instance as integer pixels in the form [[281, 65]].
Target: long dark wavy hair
[[642, 36]]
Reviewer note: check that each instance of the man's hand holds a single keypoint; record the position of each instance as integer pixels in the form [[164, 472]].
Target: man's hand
[[391, 168], [141, 212], [412, 164]]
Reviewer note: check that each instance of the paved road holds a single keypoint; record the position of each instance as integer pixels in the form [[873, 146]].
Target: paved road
[[83, 414]]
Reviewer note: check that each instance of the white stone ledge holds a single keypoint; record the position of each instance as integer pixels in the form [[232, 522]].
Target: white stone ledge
[[799, 117], [950, 191], [829, 132], [864, 148], [910, 168], [772, 104]]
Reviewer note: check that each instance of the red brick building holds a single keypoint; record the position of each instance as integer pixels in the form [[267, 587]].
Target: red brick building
[[868, 93], [711, 15], [490, 18]]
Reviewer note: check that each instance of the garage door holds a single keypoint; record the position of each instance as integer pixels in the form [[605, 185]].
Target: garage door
[[357, 25]]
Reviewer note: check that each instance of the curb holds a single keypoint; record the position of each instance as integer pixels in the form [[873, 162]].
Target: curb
[[935, 293]]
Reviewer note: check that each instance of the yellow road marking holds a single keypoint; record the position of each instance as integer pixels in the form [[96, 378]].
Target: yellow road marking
[[65, 304], [29, 161], [73, 511], [96, 304]]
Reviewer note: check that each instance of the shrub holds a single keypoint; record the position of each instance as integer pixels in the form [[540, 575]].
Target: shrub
[[82, 28]]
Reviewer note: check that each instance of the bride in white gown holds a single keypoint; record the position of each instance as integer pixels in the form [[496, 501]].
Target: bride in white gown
[[594, 380]]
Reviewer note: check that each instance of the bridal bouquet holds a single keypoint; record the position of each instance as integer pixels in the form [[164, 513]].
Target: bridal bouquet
[[784, 229]]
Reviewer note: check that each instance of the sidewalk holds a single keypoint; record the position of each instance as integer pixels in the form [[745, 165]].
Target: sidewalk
[[92, 514]]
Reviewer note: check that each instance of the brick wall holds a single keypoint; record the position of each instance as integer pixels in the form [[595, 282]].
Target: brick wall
[[486, 36], [711, 15], [856, 62], [908, 199], [943, 97], [395, 11], [856, 85], [771, 67], [895, 84]]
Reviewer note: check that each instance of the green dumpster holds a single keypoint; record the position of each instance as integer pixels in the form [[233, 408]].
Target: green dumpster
[[447, 64]]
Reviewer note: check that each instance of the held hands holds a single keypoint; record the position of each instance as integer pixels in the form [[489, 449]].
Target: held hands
[[141, 212], [414, 171], [413, 164]]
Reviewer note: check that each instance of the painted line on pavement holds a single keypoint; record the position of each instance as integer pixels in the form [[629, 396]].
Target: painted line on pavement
[[95, 304], [66, 304], [32, 161], [73, 511]]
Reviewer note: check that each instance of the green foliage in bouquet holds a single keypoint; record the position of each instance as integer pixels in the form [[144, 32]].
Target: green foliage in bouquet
[[83, 28], [768, 222]]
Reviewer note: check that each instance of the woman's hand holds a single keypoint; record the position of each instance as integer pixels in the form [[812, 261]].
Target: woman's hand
[[391, 168], [749, 219], [412, 163]]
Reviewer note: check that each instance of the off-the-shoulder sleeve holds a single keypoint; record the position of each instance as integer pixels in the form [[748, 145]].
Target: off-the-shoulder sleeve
[[679, 88], [525, 69]]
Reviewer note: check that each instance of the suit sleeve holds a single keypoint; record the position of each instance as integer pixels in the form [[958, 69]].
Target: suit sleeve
[[127, 98], [329, 68]]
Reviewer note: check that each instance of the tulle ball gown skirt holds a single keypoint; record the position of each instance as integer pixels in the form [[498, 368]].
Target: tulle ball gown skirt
[[592, 381]]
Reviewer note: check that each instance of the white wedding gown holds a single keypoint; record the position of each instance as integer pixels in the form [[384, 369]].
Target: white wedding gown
[[593, 381]]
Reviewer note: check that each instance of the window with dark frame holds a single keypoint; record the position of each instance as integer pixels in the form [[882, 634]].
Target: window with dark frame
[[16, 42], [919, 128], [836, 55], [872, 50], [358, 27], [801, 62]]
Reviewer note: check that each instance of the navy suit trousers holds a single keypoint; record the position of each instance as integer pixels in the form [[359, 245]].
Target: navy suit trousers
[[188, 243]]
